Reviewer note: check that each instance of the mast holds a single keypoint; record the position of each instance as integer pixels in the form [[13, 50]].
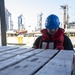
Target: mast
[[39, 21], [65, 16]]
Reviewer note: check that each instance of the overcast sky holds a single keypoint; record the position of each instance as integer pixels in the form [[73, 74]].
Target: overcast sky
[[30, 9]]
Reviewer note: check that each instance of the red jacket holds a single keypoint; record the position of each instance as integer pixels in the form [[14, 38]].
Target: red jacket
[[57, 38]]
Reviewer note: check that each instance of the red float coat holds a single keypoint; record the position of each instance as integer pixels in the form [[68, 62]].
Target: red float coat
[[57, 38]]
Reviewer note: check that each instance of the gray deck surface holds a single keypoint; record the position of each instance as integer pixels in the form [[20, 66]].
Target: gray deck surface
[[30, 61]]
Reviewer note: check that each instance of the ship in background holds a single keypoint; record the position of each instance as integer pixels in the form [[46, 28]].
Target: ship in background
[[68, 27], [21, 36], [24, 37]]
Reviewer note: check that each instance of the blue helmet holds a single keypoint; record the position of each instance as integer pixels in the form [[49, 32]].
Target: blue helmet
[[52, 22]]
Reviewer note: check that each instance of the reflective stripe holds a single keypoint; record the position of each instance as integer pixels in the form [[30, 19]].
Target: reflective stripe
[[44, 45], [51, 45]]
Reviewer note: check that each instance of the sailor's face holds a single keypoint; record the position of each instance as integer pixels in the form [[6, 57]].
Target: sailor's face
[[52, 31]]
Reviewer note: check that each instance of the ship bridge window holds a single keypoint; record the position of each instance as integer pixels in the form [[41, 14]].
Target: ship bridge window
[[37, 35], [25, 35], [70, 34], [11, 35], [30, 35], [15, 34]]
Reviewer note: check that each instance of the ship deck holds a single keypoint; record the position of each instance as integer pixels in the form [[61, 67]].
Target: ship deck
[[30, 61]]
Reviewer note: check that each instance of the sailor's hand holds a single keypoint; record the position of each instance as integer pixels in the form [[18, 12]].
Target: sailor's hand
[[58, 48]]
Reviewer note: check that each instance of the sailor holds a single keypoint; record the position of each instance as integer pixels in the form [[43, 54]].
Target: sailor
[[53, 36]]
